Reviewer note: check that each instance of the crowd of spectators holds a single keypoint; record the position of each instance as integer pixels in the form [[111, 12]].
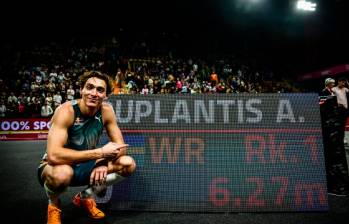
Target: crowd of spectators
[[37, 79]]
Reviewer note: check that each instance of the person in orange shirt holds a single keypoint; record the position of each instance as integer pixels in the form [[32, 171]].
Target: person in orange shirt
[[214, 78]]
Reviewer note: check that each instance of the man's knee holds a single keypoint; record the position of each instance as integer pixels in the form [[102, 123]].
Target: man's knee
[[128, 165], [126, 161], [60, 176]]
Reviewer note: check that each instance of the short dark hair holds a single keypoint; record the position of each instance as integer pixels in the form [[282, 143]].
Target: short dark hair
[[90, 74], [342, 79]]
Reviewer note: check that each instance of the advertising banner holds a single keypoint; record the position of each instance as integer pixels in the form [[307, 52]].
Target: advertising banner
[[24, 128]]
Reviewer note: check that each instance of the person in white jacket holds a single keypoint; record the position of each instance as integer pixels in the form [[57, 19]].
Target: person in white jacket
[[46, 110]]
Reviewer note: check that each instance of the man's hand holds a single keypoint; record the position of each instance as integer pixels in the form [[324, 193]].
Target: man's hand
[[99, 175], [112, 149]]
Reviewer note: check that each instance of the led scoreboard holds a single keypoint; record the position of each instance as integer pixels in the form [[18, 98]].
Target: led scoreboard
[[222, 153]]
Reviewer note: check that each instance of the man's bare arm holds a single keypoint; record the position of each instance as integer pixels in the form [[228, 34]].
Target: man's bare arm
[[57, 138], [112, 127], [57, 154]]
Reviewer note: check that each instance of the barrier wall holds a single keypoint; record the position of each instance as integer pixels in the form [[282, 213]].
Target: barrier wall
[[222, 153]]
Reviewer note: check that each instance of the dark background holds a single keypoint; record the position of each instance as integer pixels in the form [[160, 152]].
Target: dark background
[[270, 30]]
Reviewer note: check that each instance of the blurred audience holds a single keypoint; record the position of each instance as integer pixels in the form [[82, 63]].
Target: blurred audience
[[47, 73]]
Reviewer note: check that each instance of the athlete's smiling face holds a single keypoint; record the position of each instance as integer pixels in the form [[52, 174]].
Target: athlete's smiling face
[[94, 92]]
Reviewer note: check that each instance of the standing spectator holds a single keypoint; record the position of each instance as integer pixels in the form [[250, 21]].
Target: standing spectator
[[21, 109], [34, 87], [36, 97], [12, 109], [38, 78], [53, 76], [25, 86], [12, 98], [77, 89], [151, 82], [61, 77], [179, 85], [22, 97], [46, 110], [145, 90], [221, 88], [214, 78], [2, 108], [57, 99], [341, 91], [329, 84], [333, 115], [327, 92], [28, 100], [3, 96], [35, 108], [2, 84], [63, 90], [49, 99], [70, 93], [185, 88], [50, 86]]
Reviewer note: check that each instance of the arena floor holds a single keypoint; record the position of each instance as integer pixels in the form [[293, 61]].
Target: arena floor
[[23, 197]]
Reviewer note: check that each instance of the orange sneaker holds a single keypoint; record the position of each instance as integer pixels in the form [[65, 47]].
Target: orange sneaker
[[53, 215], [89, 205]]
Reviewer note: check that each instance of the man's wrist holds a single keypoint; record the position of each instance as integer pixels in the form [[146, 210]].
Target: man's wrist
[[102, 152]]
